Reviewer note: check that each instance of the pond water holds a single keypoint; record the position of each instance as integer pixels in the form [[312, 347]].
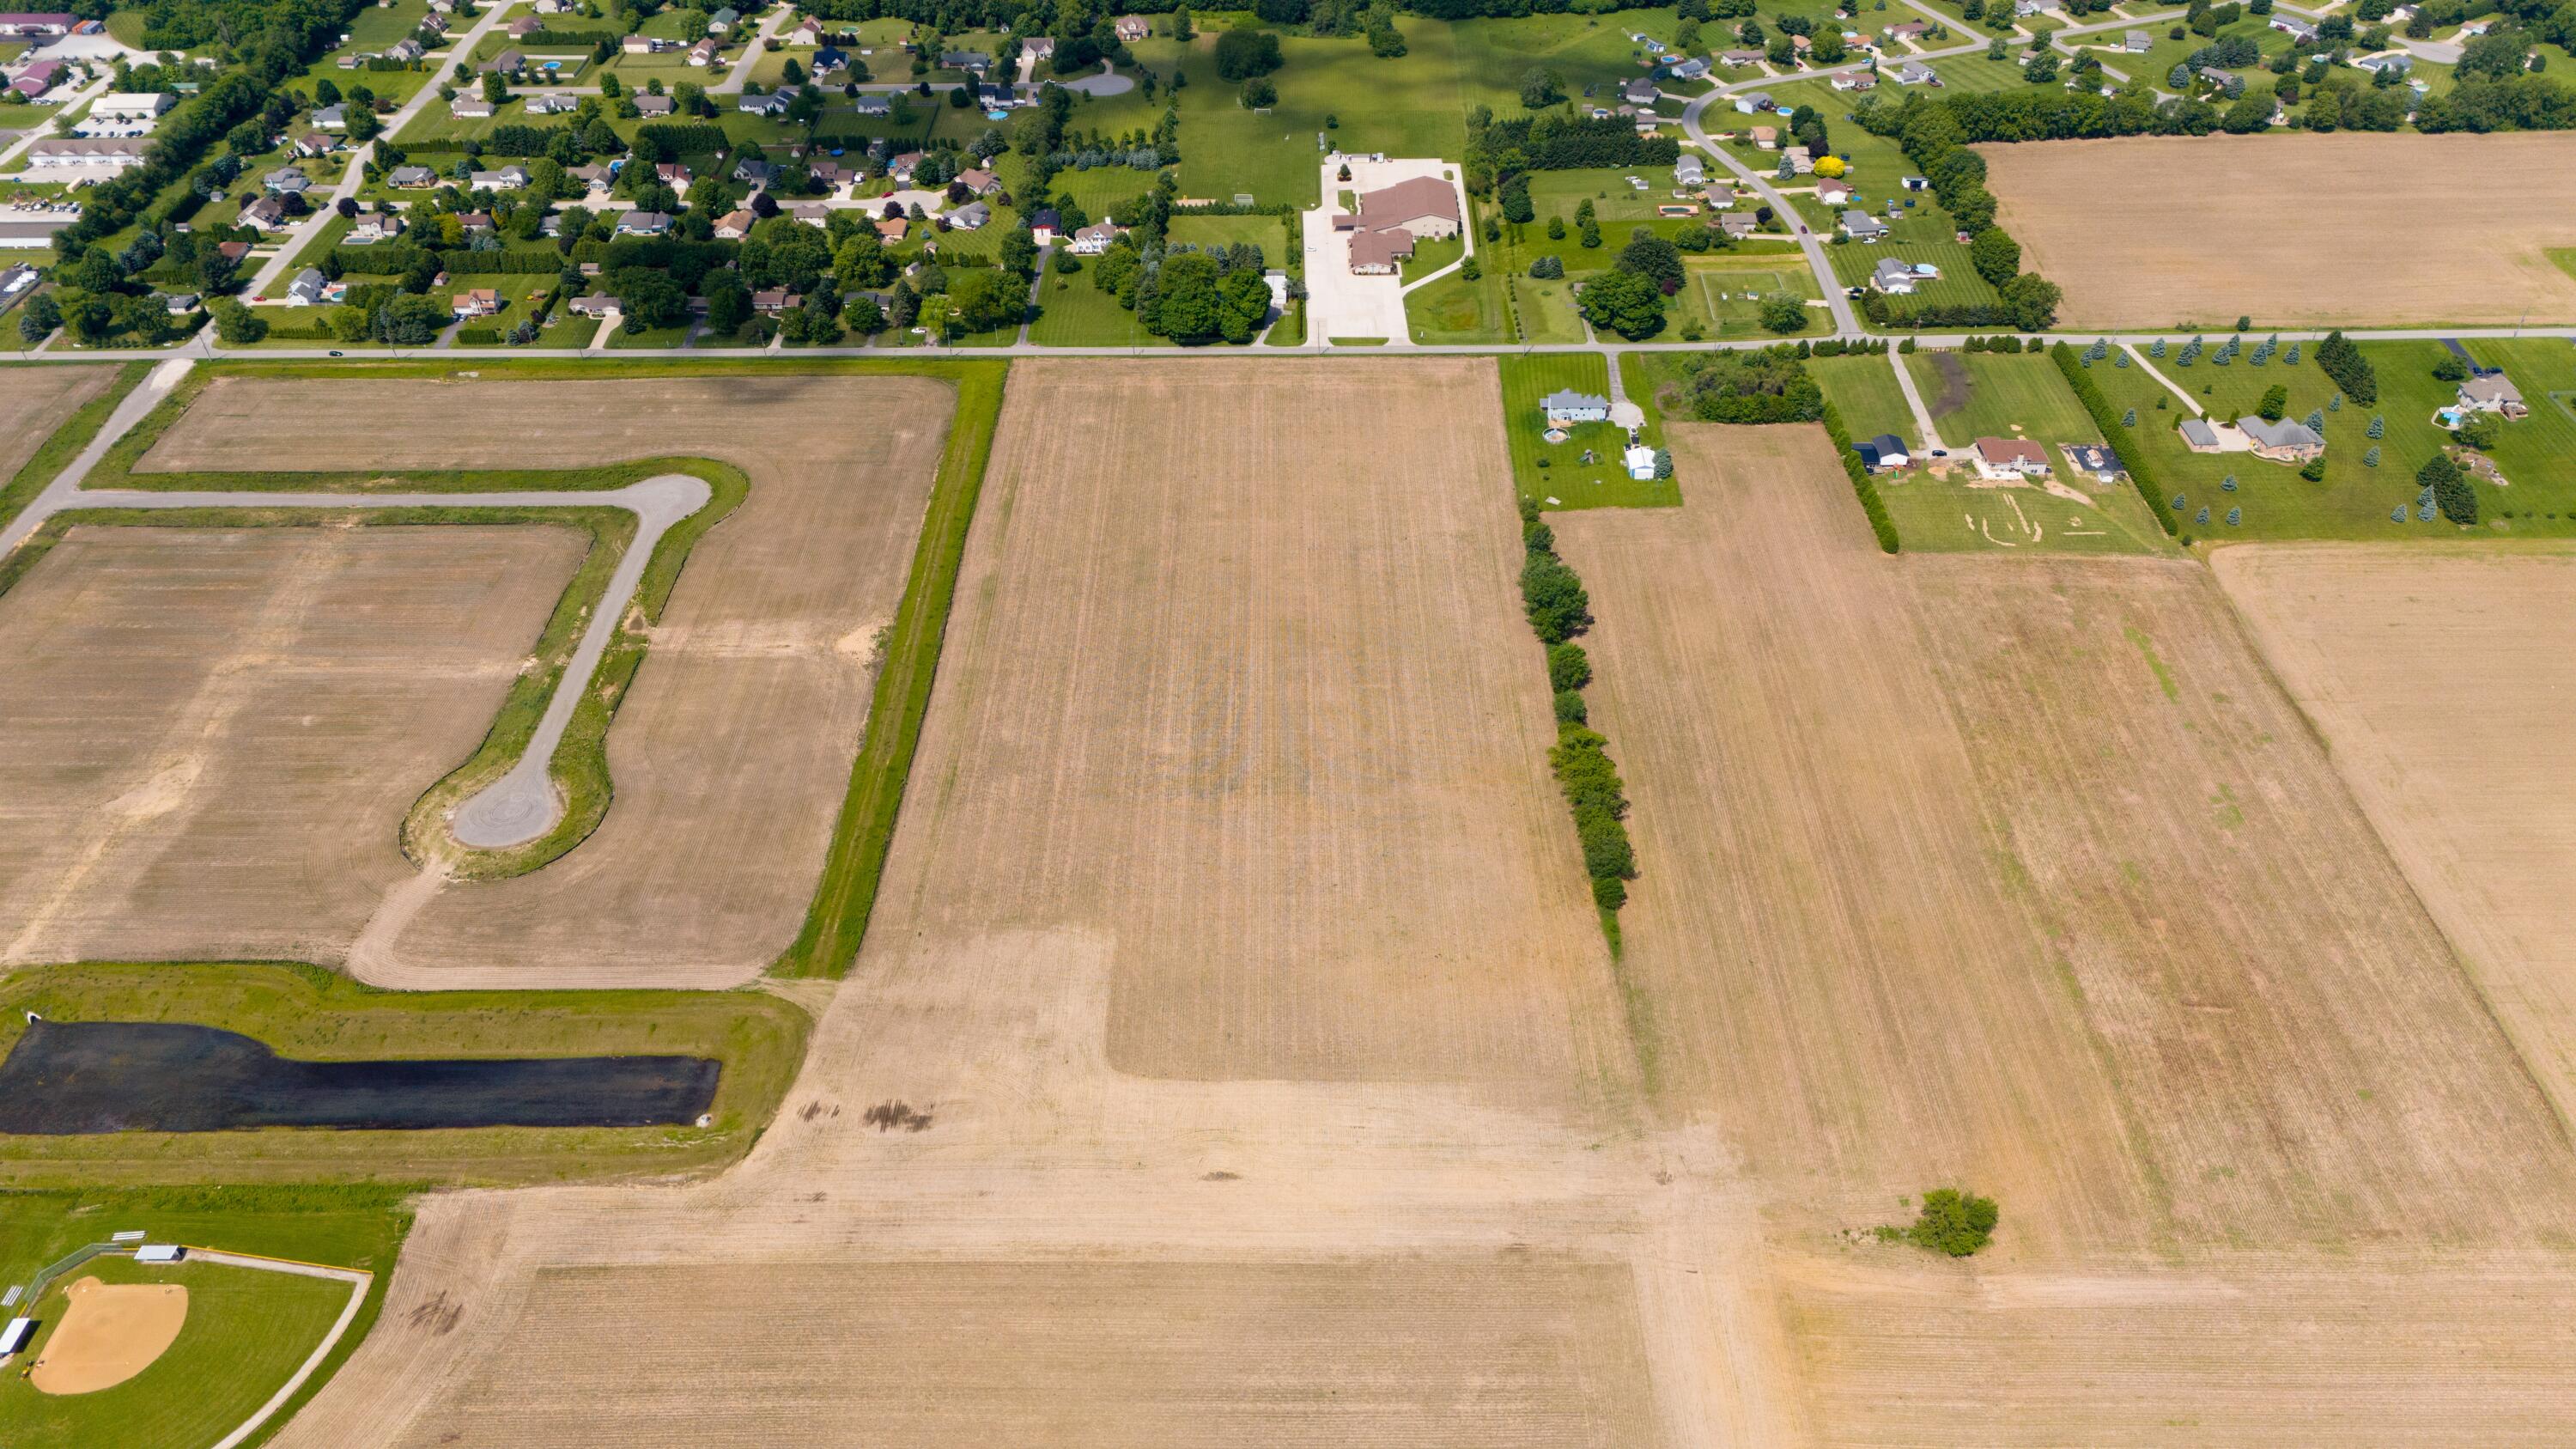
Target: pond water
[[66, 1078]]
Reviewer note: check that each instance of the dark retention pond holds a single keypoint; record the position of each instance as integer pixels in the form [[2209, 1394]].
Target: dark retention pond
[[66, 1078]]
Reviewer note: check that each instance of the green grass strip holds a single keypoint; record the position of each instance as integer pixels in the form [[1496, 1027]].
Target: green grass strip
[[1862, 484], [844, 898]]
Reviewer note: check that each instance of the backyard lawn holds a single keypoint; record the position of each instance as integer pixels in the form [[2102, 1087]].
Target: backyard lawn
[[1554, 475]]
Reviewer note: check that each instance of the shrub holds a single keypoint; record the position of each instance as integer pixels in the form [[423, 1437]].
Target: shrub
[[1953, 1222], [2451, 492], [1548, 269], [1569, 707], [2276, 401], [1568, 667]]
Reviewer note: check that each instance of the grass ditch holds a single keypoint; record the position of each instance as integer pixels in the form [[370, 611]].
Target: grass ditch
[[844, 898]]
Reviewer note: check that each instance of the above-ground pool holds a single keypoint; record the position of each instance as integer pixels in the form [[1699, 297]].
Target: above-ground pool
[[67, 1078]]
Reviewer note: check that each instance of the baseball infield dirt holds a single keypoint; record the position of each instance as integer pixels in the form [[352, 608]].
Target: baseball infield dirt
[[731, 754], [2205, 231], [36, 400], [2029, 877], [2440, 678], [109, 1333], [215, 731]]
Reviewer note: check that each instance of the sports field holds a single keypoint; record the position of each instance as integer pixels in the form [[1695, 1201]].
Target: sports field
[[2439, 676], [2054, 818], [757, 684], [2206, 232]]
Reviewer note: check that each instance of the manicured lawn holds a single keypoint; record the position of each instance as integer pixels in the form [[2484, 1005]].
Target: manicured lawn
[[1545, 309], [1974, 74], [1100, 188], [1723, 292], [1976, 395], [1454, 309], [1864, 391], [1407, 106], [1074, 313], [1431, 254], [245, 1333], [1948, 515], [1586, 50], [2537, 455], [1545, 471], [1270, 233]]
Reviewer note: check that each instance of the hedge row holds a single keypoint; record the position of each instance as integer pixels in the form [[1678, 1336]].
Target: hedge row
[[1558, 609], [1862, 483], [2124, 444]]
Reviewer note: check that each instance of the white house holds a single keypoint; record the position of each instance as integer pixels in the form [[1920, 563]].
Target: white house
[[2008, 459], [1568, 406]]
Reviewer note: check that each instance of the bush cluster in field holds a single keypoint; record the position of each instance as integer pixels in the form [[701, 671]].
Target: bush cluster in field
[[1559, 609], [1950, 1222]]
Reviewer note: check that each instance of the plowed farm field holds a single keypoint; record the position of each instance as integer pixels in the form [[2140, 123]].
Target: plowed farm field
[[2192, 231], [213, 732], [2441, 678], [36, 400], [2025, 875], [1238, 687], [732, 752]]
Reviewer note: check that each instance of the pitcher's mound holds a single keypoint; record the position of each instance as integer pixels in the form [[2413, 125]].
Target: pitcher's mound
[[110, 1333]]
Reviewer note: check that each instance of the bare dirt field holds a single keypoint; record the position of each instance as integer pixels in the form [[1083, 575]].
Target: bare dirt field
[[2204, 233], [733, 750], [2441, 679], [277, 699], [2026, 875], [109, 1333], [35, 400], [1252, 701]]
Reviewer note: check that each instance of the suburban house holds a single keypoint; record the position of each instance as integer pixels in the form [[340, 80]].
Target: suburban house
[[874, 105], [1833, 192], [476, 302], [813, 213], [1854, 80], [674, 174], [1568, 406], [1736, 225], [266, 214], [900, 167], [774, 103], [470, 108], [2005, 459], [508, 62], [94, 155], [1133, 28], [2216, 77], [2396, 61], [1038, 47], [2137, 42], [598, 306], [2199, 436], [973, 62], [1043, 225], [893, 228], [1753, 103], [508, 178], [734, 225], [644, 223], [1801, 160], [2299, 31], [808, 31], [973, 216], [552, 105], [2493, 392], [1741, 57], [1690, 171], [476, 223], [1884, 451], [704, 52], [644, 45], [332, 118], [1691, 70], [2281, 442], [286, 181], [755, 170], [307, 288], [375, 226], [652, 107], [979, 182], [1639, 92], [1905, 30], [525, 26], [1898, 279], [829, 59], [314, 143], [1092, 240], [723, 21], [412, 178], [596, 177], [1915, 73], [770, 301], [2094, 461], [1765, 138]]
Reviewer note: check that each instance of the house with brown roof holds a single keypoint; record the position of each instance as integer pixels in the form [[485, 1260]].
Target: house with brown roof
[[2010, 459], [1426, 206], [734, 225], [476, 302], [1132, 28]]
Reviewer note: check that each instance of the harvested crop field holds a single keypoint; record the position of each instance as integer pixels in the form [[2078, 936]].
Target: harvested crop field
[[277, 698], [2359, 214], [2441, 679], [2350, 1351], [36, 400], [1065, 1355], [1248, 702], [731, 755], [2025, 876]]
